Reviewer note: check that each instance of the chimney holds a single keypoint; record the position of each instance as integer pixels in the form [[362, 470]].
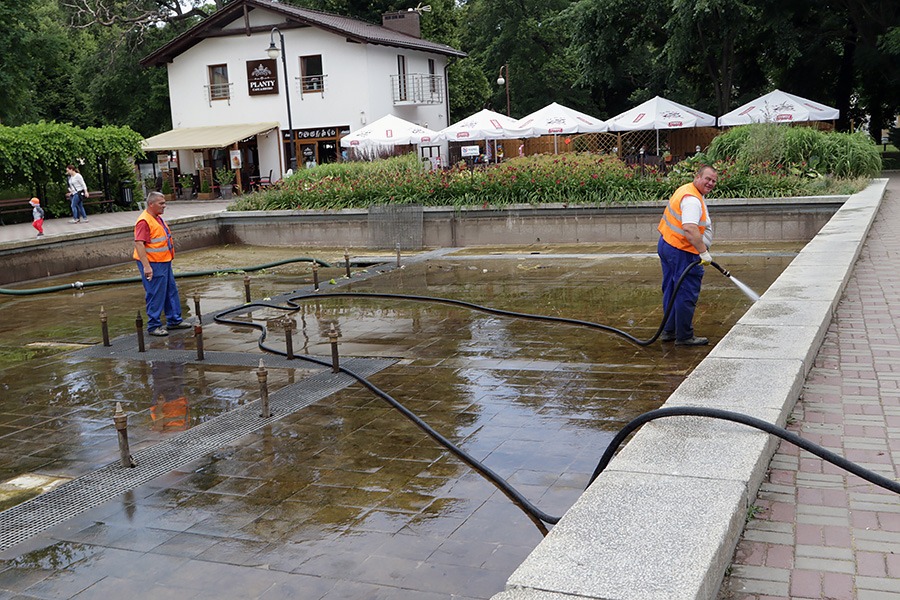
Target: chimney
[[404, 21]]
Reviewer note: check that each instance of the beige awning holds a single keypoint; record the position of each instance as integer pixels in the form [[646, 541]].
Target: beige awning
[[198, 138]]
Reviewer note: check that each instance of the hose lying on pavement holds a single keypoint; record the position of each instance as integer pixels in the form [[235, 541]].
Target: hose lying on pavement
[[536, 515]]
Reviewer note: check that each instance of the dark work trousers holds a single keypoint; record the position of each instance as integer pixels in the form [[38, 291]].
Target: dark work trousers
[[161, 295], [674, 262]]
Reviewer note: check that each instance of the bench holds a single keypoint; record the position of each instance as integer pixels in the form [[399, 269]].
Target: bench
[[13, 205], [96, 198]]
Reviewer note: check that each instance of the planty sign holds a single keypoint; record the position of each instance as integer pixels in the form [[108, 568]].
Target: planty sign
[[262, 77]]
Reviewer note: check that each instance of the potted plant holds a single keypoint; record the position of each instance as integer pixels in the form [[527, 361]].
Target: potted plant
[[187, 185], [205, 191], [167, 190], [225, 177]]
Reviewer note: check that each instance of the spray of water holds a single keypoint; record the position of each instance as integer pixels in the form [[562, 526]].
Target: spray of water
[[744, 288]]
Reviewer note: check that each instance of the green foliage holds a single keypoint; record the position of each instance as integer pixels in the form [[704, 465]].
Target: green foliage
[[167, 186], [205, 188], [224, 176], [35, 155], [801, 151], [186, 180], [569, 179]]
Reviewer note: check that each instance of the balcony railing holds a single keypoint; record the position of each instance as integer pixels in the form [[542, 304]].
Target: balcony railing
[[218, 91], [312, 84], [417, 88]]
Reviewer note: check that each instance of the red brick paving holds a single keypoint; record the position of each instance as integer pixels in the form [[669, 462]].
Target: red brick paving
[[846, 529]]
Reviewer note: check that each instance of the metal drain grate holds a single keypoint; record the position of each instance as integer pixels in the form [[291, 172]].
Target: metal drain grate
[[20, 522]]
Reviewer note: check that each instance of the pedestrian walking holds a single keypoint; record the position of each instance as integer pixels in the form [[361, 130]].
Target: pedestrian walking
[[37, 216], [77, 193]]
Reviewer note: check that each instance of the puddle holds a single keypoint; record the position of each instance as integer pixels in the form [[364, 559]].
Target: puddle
[[348, 476]]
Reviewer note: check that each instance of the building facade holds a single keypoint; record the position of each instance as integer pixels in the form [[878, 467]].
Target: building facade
[[341, 73]]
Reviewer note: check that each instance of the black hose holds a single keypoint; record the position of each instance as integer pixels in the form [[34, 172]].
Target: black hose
[[537, 516], [727, 415], [78, 285]]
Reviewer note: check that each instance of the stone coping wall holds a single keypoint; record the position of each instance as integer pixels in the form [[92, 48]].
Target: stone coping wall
[[664, 518]]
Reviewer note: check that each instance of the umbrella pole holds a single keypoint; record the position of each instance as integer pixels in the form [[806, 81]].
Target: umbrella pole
[[657, 142], [555, 151]]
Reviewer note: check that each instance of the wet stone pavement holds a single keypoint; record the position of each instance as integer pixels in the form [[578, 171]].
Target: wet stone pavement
[[344, 498]]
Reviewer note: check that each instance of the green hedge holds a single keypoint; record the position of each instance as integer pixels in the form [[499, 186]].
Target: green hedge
[[574, 178]]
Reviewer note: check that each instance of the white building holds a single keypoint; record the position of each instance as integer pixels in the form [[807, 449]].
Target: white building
[[227, 93]]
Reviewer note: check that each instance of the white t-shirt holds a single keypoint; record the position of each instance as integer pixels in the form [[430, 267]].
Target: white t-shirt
[[691, 211]]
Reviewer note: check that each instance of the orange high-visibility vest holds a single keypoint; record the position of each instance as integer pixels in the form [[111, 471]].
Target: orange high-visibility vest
[[160, 248], [670, 225]]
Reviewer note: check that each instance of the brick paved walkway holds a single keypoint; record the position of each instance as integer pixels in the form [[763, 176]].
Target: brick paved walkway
[[815, 531]]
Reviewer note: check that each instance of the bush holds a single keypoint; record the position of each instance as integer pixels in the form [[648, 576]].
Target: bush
[[570, 179], [766, 147]]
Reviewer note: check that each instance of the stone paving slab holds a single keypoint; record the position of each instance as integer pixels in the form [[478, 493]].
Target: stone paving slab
[[663, 519]]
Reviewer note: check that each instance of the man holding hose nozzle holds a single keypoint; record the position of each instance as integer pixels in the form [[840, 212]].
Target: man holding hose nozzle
[[685, 235]]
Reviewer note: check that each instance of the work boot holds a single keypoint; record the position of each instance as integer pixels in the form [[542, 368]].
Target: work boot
[[667, 336], [178, 325], [693, 341], [159, 332]]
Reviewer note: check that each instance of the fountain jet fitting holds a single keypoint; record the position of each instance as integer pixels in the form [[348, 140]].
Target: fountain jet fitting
[[104, 326], [198, 335], [315, 271], [335, 359], [263, 375], [289, 337], [121, 421], [347, 262], [247, 287], [197, 308], [398, 254], [139, 326]]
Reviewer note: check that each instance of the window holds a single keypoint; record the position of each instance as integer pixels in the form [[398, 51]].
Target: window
[[311, 73], [219, 88], [431, 78], [401, 76]]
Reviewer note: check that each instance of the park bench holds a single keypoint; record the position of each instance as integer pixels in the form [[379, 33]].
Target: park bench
[[98, 198], [13, 205]]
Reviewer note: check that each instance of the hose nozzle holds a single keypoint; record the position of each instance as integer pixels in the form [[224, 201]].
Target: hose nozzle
[[720, 269]]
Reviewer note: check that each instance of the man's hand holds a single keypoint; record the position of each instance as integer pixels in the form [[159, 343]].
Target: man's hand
[[705, 258], [148, 272]]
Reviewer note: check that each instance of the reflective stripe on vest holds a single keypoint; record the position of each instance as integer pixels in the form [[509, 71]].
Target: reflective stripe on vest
[[670, 225], [160, 248]]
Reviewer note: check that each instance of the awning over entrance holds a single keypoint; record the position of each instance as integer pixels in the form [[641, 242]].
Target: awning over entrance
[[196, 138]]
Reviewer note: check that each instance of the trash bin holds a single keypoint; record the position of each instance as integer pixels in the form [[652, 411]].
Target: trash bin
[[126, 193]]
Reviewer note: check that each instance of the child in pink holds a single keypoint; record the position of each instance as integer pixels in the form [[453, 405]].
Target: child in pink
[[37, 216]]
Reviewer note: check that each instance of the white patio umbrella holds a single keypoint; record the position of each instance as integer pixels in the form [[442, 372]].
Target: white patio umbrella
[[485, 125], [390, 131], [555, 119], [778, 107], [660, 113]]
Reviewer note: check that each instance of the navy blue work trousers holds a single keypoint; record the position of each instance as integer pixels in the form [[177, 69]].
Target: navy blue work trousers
[[161, 294], [674, 262]]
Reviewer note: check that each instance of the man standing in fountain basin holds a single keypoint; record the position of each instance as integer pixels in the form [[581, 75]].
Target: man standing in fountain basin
[[685, 234], [154, 251]]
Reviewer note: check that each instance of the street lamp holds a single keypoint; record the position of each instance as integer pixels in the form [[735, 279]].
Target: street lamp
[[501, 80], [272, 51]]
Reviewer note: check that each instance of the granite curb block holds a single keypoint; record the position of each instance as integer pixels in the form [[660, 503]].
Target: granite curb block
[[664, 518]]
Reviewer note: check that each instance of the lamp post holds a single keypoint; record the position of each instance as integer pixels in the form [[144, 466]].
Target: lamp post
[[272, 51], [503, 79]]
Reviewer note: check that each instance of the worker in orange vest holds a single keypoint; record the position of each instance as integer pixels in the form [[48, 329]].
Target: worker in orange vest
[[685, 236], [154, 251]]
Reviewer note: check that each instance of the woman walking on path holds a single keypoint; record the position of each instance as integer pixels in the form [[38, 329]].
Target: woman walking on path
[[77, 193]]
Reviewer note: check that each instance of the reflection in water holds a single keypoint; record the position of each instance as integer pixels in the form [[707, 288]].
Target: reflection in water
[[170, 410]]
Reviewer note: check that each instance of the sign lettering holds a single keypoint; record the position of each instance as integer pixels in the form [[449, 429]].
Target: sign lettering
[[262, 77]]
